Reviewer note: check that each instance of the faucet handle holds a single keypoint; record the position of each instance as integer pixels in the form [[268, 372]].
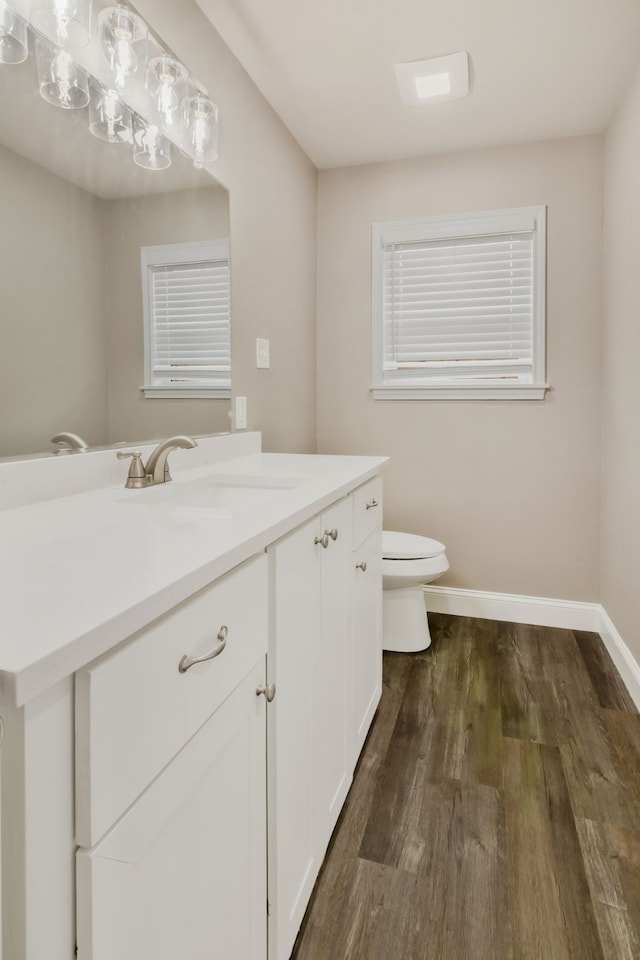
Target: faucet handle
[[137, 476]]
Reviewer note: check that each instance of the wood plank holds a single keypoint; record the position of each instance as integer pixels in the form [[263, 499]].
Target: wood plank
[[612, 858], [607, 682], [524, 696], [552, 912], [464, 901], [449, 727], [400, 776], [546, 689], [595, 786]]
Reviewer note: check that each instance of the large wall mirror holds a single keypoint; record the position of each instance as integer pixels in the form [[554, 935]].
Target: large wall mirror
[[76, 212]]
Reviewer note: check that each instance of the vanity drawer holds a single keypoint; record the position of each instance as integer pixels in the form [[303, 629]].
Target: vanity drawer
[[367, 510], [135, 709]]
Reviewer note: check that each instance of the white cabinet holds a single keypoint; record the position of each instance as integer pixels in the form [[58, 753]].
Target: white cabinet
[[171, 784], [309, 770], [330, 706], [365, 662], [195, 801], [366, 640], [183, 873]]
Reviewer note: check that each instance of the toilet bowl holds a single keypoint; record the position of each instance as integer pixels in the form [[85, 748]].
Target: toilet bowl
[[408, 562]]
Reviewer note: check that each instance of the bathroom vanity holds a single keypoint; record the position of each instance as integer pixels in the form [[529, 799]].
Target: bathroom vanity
[[188, 674]]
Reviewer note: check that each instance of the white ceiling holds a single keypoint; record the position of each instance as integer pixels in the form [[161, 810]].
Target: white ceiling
[[539, 69]]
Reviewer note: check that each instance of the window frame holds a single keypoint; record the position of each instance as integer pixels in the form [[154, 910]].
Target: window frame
[[387, 386], [177, 253]]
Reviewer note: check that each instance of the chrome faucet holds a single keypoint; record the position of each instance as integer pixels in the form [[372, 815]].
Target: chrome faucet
[[69, 442], [157, 468]]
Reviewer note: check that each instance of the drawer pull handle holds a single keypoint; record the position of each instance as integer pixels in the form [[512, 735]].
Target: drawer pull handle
[[332, 533], [324, 540], [374, 503], [268, 691], [187, 662], [362, 566]]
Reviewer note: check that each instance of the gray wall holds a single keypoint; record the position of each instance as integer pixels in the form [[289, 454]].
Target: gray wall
[[620, 572], [52, 310], [511, 487]]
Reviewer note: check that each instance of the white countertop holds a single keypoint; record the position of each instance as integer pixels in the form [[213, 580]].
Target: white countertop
[[81, 573]]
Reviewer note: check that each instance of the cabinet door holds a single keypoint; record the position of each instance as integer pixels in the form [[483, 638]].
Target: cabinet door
[[331, 760], [183, 873], [293, 858], [309, 770], [366, 640]]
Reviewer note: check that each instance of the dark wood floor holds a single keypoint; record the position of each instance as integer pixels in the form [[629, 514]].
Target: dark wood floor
[[495, 812]]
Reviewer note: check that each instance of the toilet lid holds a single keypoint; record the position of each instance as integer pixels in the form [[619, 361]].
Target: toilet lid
[[409, 546]]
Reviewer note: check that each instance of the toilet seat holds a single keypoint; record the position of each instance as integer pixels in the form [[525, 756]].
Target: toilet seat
[[409, 546], [407, 572]]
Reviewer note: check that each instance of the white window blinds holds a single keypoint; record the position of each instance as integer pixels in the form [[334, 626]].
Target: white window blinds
[[449, 303], [460, 300], [186, 292], [191, 322]]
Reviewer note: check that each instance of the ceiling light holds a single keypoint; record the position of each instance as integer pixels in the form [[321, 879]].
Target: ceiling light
[[441, 78], [433, 85]]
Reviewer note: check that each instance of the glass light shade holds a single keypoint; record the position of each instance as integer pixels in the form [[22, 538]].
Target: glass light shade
[[200, 137], [109, 118], [167, 85], [150, 149], [123, 35], [62, 82], [67, 23], [13, 36]]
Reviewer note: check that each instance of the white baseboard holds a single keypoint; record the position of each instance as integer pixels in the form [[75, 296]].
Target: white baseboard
[[625, 662], [567, 614], [508, 606]]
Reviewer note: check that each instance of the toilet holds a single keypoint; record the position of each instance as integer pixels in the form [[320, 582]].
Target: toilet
[[408, 562]]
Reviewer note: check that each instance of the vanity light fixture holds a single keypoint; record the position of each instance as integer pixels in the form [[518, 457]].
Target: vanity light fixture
[[62, 82], [67, 23], [123, 36], [200, 139], [151, 149], [13, 36], [167, 85], [109, 117], [437, 79]]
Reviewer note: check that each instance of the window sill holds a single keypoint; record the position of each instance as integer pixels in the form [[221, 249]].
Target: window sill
[[458, 391], [186, 393]]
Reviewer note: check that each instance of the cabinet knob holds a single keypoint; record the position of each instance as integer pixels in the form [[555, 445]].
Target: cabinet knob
[[323, 540], [332, 533], [268, 691], [361, 566], [187, 662], [374, 503]]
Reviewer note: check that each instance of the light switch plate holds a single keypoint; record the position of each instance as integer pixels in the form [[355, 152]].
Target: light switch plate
[[262, 354]]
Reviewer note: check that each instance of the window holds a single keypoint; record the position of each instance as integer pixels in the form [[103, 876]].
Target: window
[[187, 320], [459, 306]]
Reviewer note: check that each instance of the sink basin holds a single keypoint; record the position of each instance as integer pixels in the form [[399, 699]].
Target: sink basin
[[218, 495]]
